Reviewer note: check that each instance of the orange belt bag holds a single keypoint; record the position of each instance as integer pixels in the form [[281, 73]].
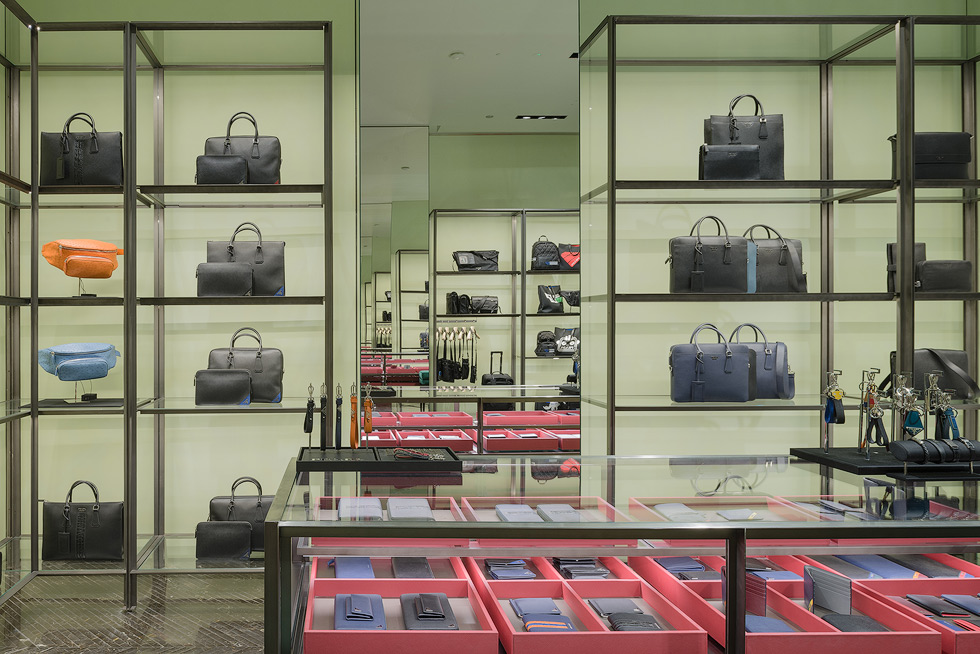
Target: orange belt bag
[[82, 257]]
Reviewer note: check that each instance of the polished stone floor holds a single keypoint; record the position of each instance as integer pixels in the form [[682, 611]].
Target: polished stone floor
[[176, 614]]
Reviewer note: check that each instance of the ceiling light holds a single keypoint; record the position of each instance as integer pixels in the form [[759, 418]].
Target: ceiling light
[[405, 167], [489, 116], [541, 117], [456, 56]]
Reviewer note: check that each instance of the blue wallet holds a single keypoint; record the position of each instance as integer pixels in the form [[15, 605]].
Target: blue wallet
[[679, 563], [969, 603], [525, 605], [880, 566], [757, 624], [546, 622], [512, 573], [777, 575], [359, 612], [353, 567]]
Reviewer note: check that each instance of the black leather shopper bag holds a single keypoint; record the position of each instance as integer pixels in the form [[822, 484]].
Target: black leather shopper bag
[[262, 153], [90, 158], [244, 508], [708, 264], [91, 531], [762, 129]]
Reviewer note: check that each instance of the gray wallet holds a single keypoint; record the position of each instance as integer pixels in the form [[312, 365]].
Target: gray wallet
[[359, 508], [428, 611], [410, 508], [559, 513], [411, 567], [225, 278], [605, 606], [517, 513]]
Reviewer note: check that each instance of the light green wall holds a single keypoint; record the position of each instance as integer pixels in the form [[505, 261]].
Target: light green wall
[[503, 171], [409, 226]]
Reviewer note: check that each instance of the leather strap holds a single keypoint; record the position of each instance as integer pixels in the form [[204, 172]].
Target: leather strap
[[255, 139], [834, 412], [875, 432], [94, 147], [246, 227], [957, 372]]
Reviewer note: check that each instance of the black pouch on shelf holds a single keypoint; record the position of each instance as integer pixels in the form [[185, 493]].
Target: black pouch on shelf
[[944, 275], [938, 155], [224, 279], [484, 304], [729, 162], [221, 169], [247, 508], [222, 387], [476, 260], [226, 540], [891, 252]]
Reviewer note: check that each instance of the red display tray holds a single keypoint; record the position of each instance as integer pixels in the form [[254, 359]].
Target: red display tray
[[568, 417], [770, 508], [384, 438], [537, 564], [515, 440], [481, 509], [381, 419], [569, 440], [892, 592], [414, 437], [477, 634], [522, 418], [945, 559], [458, 440], [435, 418], [450, 567], [593, 634], [702, 602], [444, 509]]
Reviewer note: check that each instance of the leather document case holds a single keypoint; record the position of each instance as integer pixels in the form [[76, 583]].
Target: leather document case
[[938, 606], [525, 605], [411, 567], [970, 603], [353, 567], [410, 508], [428, 611], [546, 622], [606, 606], [359, 508], [846, 622], [359, 612], [633, 622], [826, 589]]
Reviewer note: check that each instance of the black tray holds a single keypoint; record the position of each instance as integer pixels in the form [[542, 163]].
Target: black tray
[[850, 460], [372, 459]]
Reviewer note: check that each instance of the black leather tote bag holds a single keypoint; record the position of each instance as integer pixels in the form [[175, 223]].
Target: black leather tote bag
[[714, 372], [90, 158], [263, 153], [90, 531], [268, 259], [708, 264], [762, 129], [264, 363], [550, 299], [953, 364], [778, 262], [243, 508]]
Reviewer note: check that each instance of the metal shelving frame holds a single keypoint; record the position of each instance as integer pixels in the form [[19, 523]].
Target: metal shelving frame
[[127, 198], [398, 289], [825, 192]]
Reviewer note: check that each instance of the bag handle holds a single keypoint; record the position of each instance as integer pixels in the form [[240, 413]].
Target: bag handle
[[958, 372], [95, 508], [249, 332], [759, 111], [733, 124], [246, 227], [543, 239], [699, 253], [500, 369], [84, 117], [717, 221], [699, 358], [769, 232], [255, 139], [244, 480], [768, 363]]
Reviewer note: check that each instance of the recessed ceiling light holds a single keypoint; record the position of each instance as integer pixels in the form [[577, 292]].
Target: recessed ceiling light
[[406, 167], [541, 117], [489, 116], [456, 56]]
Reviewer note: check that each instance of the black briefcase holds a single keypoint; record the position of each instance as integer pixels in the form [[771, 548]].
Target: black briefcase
[[90, 158], [708, 264], [938, 155], [245, 508]]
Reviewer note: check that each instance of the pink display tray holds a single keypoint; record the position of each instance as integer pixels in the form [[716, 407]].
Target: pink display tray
[[946, 559], [435, 418], [481, 509], [381, 419], [414, 437], [543, 566], [444, 509], [702, 603], [384, 438], [642, 508], [568, 417], [569, 440], [480, 640], [451, 567], [499, 418], [458, 440], [543, 441]]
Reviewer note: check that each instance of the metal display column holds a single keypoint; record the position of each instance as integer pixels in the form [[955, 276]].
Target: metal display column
[[905, 169]]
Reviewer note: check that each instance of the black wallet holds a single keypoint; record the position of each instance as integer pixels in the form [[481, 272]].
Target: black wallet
[[224, 279], [699, 575], [922, 563], [606, 606], [428, 611], [938, 606], [633, 622], [411, 567], [222, 386], [845, 622], [224, 539]]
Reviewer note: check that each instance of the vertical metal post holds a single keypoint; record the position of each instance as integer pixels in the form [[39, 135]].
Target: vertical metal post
[[12, 346], [905, 158], [35, 252], [735, 593], [827, 309], [272, 588], [968, 88], [515, 218], [159, 312], [129, 315], [433, 303], [523, 302], [611, 245], [328, 184]]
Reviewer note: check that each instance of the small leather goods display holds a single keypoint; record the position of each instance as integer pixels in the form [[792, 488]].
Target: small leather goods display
[[953, 364], [359, 611], [550, 299], [262, 154], [226, 279], [428, 611], [476, 260], [545, 345], [90, 531], [712, 372], [265, 365], [544, 254], [486, 304], [708, 264], [424, 310], [78, 361], [778, 263], [569, 256], [729, 162], [761, 129], [939, 275], [89, 158], [773, 378], [226, 540], [221, 169], [938, 155], [222, 387], [82, 257], [243, 508], [567, 340], [267, 259], [914, 450]]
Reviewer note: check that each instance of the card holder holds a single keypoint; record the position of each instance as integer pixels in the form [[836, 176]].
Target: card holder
[[826, 589], [938, 606], [428, 611], [605, 606], [539, 605]]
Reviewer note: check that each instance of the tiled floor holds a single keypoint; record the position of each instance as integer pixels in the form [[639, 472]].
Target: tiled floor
[[176, 614]]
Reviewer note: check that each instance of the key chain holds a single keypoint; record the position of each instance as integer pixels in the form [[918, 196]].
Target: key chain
[[355, 436], [876, 425], [338, 443], [913, 422], [308, 422], [323, 417], [368, 412], [834, 410]]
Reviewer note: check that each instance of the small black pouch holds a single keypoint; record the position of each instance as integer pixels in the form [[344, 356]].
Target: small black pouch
[[484, 304], [222, 386], [891, 253], [221, 169], [729, 162], [227, 278], [943, 275], [228, 540], [633, 622]]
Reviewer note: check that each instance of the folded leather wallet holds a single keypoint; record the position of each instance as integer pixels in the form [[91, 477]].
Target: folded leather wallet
[[353, 567], [938, 606], [679, 563], [359, 612], [225, 278], [512, 573], [604, 606], [517, 513], [428, 611], [411, 567], [845, 622], [538, 605], [756, 563], [758, 624], [826, 589], [584, 571], [359, 508], [559, 513], [546, 622], [222, 386], [677, 512], [777, 575], [699, 575], [970, 603], [490, 564], [880, 566], [929, 567], [633, 622], [223, 539], [410, 508]]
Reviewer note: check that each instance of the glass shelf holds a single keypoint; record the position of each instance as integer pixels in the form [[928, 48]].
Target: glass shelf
[[235, 195], [755, 297], [9, 301], [178, 552], [790, 191], [221, 301], [80, 301], [475, 273], [78, 408], [12, 410], [173, 405], [664, 403], [551, 272], [17, 553]]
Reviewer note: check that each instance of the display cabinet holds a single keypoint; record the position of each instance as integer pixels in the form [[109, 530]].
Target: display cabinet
[[411, 290]]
